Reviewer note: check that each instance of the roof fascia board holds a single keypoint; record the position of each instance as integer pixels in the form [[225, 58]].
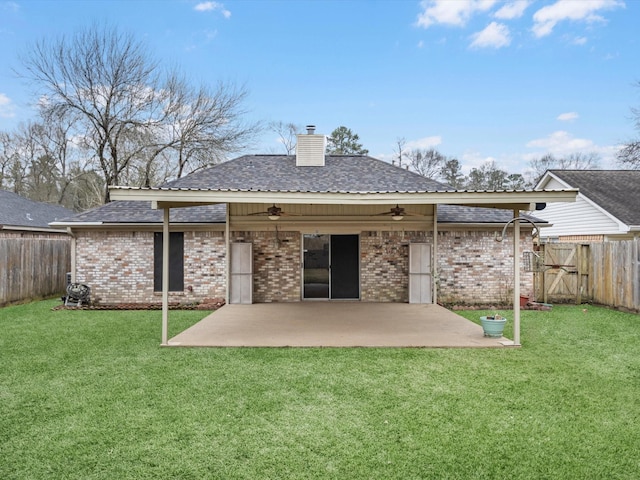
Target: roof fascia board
[[166, 198], [24, 228], [545, 180]]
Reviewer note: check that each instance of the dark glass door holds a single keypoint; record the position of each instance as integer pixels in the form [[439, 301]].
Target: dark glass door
[[316, 266], [345, 267]]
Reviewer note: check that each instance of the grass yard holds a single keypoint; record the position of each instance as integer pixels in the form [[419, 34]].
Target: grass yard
[[91, 395]]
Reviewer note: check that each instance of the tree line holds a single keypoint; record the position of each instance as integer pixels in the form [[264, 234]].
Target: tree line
[[109, 114]]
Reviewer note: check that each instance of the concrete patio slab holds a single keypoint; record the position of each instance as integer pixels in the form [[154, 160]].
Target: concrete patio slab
[[334, 324]]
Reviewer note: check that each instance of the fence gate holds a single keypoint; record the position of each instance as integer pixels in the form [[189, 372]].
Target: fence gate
[[563, 275]]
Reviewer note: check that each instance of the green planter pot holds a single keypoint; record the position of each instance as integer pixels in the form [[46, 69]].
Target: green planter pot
[[492, 328]]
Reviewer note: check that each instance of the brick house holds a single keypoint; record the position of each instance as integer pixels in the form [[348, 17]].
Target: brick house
[[310, 226]]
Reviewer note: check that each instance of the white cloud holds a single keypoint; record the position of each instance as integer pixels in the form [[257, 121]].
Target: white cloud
[[495, 35], [212, 6], [549, 16], [420, 44], [579, 41], [6, 107], [568, 116], [512, 10], [449, 12], [426, 142], [10, 6], [561, 143]]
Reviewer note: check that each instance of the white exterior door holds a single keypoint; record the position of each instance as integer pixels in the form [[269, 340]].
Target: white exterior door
[[420, 286], [241, 273]]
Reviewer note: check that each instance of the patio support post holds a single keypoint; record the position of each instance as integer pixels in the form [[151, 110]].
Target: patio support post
[[434, 259], [165, 276], [227, 246], [516, 278]]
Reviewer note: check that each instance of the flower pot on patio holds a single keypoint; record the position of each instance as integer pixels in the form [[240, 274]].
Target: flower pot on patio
[[493, 326]]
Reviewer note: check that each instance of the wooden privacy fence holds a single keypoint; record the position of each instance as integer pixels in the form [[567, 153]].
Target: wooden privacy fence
[[33, 267], [606, 273]]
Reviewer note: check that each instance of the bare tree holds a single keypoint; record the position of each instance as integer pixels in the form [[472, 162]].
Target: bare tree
[[629, 154], [427, 162], [287, 135], [131, 117], [573, 161]]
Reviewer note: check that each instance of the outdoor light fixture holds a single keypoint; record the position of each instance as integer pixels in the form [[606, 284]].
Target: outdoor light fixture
[[274, 213], [397, 213]]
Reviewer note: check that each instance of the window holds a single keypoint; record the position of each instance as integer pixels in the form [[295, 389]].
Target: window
[[176, 261]]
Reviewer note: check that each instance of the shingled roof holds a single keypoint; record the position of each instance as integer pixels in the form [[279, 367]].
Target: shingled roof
[[616, 191], [270, 173], [279, 173], [141, 212], [17, 211]]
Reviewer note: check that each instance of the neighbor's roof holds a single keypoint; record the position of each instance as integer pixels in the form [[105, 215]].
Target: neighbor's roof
[[17, 211], [616, 191], [279, 173]]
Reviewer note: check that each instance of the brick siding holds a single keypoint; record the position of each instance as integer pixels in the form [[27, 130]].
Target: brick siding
[[118, 266], [472, 266]]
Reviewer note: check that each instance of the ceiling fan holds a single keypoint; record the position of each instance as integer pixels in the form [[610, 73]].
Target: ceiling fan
[[274, 213], [398, 213]]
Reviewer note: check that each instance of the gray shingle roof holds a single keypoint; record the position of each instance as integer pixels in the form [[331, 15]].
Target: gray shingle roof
[[616, 191], [341, 174], [141, 212], [463, 214], [18, 211]]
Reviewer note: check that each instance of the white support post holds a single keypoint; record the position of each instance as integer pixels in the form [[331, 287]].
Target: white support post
[[227, 261], [165, 276], [434, 260], [516, 278]]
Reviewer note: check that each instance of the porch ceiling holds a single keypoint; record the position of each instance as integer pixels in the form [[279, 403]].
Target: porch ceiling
[[334, 324]]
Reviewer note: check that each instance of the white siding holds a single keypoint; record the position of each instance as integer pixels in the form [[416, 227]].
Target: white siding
[[579, 218]]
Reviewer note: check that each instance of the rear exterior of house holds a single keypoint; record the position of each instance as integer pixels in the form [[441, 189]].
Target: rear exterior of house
[[253, 251], [305, 227]]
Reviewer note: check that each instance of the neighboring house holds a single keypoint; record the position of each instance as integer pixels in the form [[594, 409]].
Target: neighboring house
[[607, 206], [35, 257], [310, 226], [20, 216]]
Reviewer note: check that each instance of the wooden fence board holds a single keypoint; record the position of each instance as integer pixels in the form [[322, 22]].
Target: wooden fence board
[[33, 267], [606, 273]]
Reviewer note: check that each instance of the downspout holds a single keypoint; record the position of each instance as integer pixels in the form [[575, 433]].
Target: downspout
[[165, 275], [73, 254]]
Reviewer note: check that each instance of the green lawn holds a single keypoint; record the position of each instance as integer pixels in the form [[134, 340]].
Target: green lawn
[[91, 395]]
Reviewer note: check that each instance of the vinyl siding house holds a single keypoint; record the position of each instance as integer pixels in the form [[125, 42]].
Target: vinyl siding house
[[304, 227], [607, 206]]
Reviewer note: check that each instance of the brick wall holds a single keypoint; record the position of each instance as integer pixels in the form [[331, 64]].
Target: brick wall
[[384, 264], [474, 268], [276, 265], [118, 266]]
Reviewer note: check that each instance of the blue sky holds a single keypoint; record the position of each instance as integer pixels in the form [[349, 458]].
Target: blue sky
[[477, 79]]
